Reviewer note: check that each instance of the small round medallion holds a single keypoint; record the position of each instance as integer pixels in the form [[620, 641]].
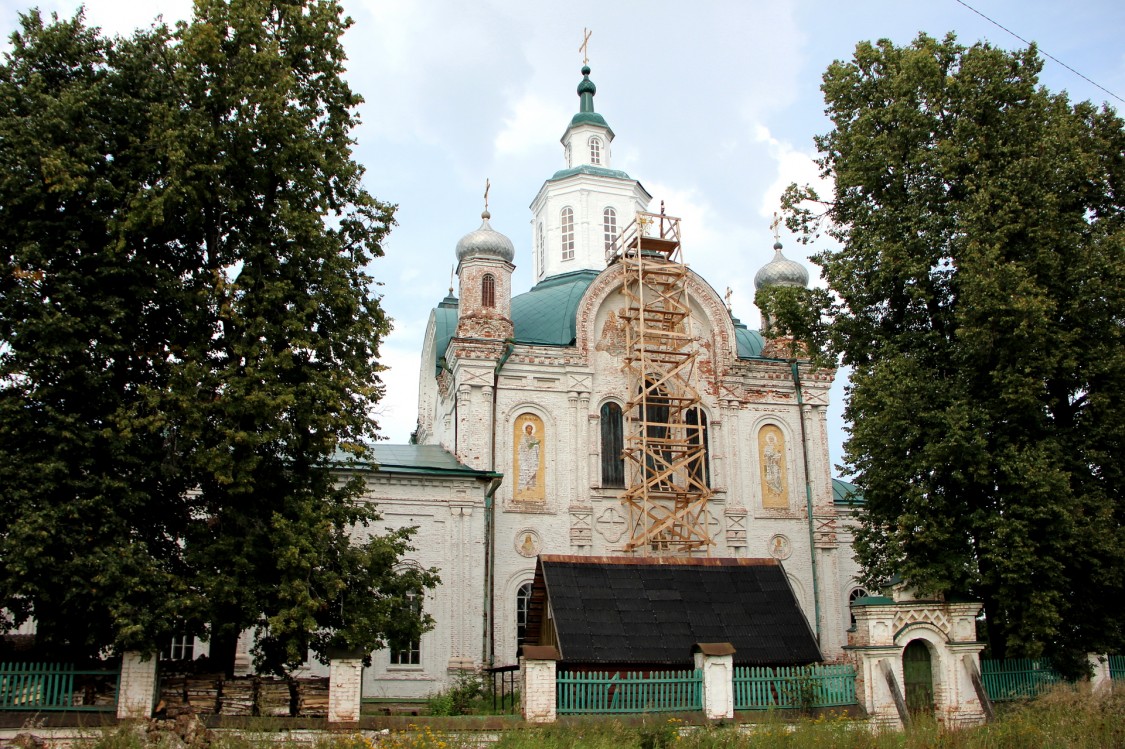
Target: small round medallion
[[527, 543], [779, 547]]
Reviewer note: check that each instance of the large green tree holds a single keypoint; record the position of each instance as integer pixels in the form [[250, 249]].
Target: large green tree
[[978, 293], [189, 338]]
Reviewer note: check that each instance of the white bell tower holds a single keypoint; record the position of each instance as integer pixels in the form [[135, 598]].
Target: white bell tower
[[580, 209]]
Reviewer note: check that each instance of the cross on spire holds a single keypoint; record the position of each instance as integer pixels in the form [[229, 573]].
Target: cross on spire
[[776, 226], [585, 46], [487, 185]]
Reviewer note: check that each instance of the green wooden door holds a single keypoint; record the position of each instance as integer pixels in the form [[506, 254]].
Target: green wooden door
[[918, 677]]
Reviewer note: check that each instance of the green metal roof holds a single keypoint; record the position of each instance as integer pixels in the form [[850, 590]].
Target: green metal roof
[[431, 460], [589, 118], [844, 493], [749, 342], [546, 314], [598, 171], [424, 459], [445, 324]]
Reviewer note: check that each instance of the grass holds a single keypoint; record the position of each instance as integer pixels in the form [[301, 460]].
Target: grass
[[1063, 719]]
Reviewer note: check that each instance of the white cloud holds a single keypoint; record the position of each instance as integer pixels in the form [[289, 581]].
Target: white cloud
[[533, 122]]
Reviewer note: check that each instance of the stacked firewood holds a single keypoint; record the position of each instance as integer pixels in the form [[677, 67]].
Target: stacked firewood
[[312, 697], [237, 696], [275, 697]]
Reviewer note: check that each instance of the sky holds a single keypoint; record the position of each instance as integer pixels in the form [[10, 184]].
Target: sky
[[714, 103]]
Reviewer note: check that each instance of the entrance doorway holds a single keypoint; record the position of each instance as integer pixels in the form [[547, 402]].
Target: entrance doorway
[[918, 677]]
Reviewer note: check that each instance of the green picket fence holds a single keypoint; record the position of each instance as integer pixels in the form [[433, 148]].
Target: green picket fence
[[53, 686], [1117, 667], [762, 688], [614, 692], [1016, 678]]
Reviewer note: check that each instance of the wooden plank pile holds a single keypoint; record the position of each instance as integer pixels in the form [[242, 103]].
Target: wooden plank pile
[[312, 697], [202, 692], [275, 697], [237, 696]]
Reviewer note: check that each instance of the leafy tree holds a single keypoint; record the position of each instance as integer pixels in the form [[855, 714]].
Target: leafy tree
[[979, 295], [188, 338]]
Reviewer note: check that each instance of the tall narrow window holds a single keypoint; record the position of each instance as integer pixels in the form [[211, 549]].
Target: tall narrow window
[[609, 225], [595, 151], [568, 156], [541, 248], [697, 433], [488, 290], [408, 652], [855, 594], [567, 233], [613, 442], [523, 607]]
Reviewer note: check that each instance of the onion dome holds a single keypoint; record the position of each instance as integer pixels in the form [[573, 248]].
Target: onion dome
[[781, 271], [586, 113], [485, 242]]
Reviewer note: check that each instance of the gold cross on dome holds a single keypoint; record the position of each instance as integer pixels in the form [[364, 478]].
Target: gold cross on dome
[[487, 185], [776, 226], [585, 47]]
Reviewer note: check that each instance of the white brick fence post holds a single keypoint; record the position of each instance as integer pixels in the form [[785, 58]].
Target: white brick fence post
[[716, 661], [345, 686], [539, 689], [136, 687]]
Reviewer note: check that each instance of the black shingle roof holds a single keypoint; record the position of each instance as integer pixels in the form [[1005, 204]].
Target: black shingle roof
[[610, 610]]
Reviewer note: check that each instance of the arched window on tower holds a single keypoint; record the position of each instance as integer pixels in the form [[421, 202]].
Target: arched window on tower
[[595, 151], [697, 434], [488, 290], [567, 233], [541, 249], [613, 442], [857, 593], [523, 607], [609, 226]]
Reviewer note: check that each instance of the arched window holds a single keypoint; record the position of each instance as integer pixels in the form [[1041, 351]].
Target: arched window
[[541, 248], [567, 233], [523, 607], [697, 435], [656, 413], [609, 226], [595, 151], [613, 442], [488, 290], [408, 652], [857, 593]]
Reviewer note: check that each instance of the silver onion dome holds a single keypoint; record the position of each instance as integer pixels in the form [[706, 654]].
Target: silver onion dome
[[485, 242], [781, 271]]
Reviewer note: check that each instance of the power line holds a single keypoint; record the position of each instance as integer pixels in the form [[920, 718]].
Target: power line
[[1043, 51]]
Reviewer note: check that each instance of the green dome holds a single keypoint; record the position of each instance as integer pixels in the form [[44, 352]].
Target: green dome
[[546, 314]]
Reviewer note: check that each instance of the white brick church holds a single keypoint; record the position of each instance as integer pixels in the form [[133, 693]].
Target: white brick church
[[522, 398]]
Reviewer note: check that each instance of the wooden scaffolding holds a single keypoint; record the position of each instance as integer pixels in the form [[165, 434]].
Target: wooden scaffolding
[[667, 489]]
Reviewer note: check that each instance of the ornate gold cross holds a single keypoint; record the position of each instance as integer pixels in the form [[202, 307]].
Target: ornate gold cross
[[487, 185], [584, 49], [775, 225]]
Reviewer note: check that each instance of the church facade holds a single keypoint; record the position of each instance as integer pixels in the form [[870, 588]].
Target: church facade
[[522, 406]]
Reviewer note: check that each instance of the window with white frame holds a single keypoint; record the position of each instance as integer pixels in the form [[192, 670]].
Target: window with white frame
[[408, 652], [180, 648], [568, 156], [523, 608], [609, 226], [567, 220], [855, 594], [595, 151]]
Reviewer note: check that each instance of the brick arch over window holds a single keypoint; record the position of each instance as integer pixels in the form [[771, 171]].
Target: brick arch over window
[[488, 290]]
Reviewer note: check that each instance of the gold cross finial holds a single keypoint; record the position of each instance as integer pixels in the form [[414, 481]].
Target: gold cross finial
[[775, 225], [585, 47], [487, 185], [726, 298]]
